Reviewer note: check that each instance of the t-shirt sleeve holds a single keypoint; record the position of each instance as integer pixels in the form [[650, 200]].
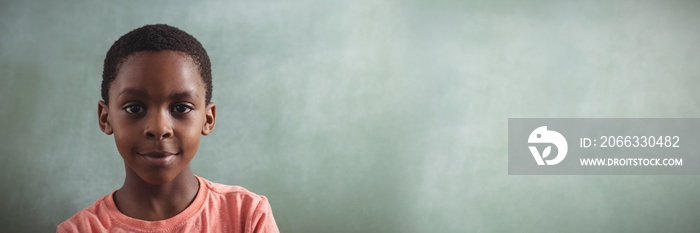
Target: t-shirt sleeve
[[263, 220], [65, 228]]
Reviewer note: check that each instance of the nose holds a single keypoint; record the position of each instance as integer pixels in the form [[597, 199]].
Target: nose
[[159, 126]]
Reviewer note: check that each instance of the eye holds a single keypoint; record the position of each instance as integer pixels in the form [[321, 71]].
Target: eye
[[181, 108], [134, 109]]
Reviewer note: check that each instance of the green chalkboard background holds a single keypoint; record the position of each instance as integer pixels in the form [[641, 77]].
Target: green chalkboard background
[[363, 115]]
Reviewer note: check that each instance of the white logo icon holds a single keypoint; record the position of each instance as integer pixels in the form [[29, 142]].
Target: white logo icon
[[542, 135]]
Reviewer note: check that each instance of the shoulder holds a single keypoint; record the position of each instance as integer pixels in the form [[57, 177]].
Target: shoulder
[[241, 206], [233, 194], [95, 216]]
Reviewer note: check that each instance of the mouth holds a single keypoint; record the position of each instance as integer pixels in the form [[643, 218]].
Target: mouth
[[158, 158]]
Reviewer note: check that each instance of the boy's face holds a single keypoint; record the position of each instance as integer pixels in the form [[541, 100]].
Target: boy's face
[[157, 113]]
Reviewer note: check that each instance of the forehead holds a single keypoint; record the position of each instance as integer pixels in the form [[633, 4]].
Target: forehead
[[162, 72]]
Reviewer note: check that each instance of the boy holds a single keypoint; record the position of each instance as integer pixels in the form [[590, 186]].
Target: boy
[[156, 92]]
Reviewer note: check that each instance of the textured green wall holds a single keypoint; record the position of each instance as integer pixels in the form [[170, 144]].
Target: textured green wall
[[363, 116]]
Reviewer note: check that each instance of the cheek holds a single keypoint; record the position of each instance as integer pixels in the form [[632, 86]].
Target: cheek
[[191, 138], [124, 141], [190, 135], [126, 133]]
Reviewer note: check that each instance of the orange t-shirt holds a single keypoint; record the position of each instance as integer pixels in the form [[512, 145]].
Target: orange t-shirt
[[216, 208]]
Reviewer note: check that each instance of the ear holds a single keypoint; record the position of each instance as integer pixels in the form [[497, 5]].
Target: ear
[[210, 119], [103, 117]]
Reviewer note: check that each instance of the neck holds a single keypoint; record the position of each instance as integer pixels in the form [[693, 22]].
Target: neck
[[141, 200]]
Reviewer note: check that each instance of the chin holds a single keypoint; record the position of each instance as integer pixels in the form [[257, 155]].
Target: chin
[[157, 178]]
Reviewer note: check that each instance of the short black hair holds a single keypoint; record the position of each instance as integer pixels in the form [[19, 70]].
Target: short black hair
[[156, 37]]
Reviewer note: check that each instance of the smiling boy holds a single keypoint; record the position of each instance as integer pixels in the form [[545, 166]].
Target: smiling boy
[[156, 100]]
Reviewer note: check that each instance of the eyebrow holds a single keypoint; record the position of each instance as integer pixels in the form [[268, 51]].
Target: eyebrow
[[131, 91], [177, 95], [183, 95]]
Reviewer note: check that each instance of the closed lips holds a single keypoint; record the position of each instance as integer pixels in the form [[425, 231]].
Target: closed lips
[[157, 154]]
